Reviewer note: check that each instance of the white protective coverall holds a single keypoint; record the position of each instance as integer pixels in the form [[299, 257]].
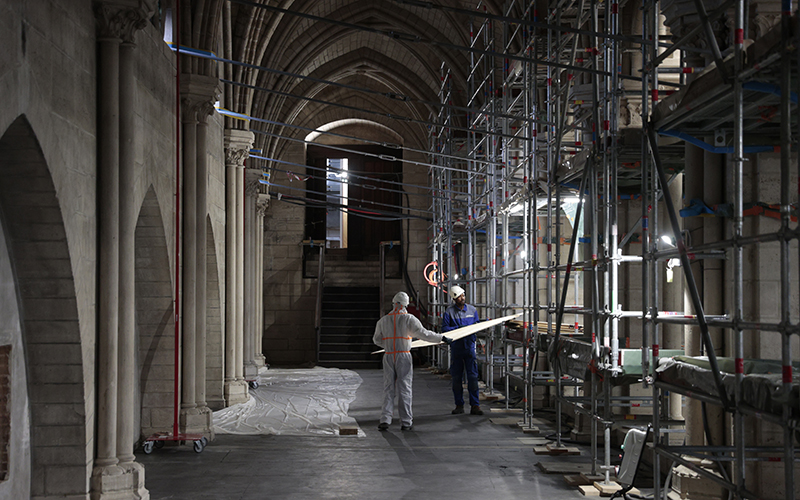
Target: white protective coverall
[[394, 333]]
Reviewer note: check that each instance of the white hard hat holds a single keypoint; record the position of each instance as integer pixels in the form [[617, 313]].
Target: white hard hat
[[400, 298], [456, 291]]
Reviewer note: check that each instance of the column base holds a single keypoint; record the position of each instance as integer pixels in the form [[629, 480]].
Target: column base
[[197, 421], [118, 482], [236, 392], [250, 370], [261, 361]]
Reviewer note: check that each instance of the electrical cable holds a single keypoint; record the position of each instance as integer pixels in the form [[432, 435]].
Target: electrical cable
[[329, 195], [350, 174], [364, 153], [210, 55], [308, 202], [406, 37], [387, 145], [477, 111]]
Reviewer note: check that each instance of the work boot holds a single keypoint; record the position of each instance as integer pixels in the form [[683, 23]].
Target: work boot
[[459, 409], [383, 426], [476, 410], [406, 427]]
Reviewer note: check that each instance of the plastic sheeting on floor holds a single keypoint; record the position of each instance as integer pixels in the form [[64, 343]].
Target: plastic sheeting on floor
[[294, 402]]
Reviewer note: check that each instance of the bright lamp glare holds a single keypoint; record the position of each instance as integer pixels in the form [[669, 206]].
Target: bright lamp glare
[[523, 254]]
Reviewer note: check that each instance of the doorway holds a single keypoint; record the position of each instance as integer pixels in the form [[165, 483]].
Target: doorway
[[336, 195]]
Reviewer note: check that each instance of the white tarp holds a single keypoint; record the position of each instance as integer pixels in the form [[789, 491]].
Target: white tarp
[[294, 402]]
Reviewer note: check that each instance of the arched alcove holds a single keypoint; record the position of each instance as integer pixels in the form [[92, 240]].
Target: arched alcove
[[42, 279], [154, 318], [215, 355]]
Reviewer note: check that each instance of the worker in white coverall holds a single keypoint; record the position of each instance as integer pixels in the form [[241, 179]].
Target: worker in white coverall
[[394, 333]]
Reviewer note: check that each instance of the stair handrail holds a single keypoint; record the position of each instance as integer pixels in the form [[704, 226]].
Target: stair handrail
[[320, 286]]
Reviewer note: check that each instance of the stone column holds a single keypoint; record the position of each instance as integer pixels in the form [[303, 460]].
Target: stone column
[[237, 148], [252, 176], [198, 94], [189, 267], [108, 290], [127, 434], [239, 236], [116, 474], [261, 208]]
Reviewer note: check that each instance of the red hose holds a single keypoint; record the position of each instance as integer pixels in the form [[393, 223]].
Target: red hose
[[176, 23]]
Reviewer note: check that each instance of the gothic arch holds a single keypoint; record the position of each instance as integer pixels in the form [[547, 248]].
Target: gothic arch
[[215, 342], [31, 218], [154, 319]]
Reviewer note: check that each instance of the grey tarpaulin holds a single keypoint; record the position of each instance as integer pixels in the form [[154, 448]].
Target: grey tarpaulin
[[762, 386], [574, 356]]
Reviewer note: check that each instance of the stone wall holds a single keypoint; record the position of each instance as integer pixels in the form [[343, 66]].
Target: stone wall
[[289, 299]]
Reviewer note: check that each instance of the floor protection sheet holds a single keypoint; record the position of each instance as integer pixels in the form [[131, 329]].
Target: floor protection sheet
[[294, 402]]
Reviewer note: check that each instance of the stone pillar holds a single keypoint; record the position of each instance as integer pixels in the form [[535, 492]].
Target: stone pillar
[[189, 267], [252, 176], [116, 474], [261, 209], [127, 434], [239, 302], [237, 148], [198, 94], [108, 290]]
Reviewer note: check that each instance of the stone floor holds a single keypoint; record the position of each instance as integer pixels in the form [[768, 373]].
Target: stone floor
[[444, 457]]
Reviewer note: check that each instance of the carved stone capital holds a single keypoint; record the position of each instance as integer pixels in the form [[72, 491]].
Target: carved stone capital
[[262, 204], [237, 146], [199, 93], [252, 186], [121, 19]]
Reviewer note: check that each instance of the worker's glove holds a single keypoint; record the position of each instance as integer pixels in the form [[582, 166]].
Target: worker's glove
[[447, 340]]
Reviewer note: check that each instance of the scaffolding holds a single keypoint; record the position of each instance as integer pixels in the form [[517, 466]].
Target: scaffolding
[[546, 149]]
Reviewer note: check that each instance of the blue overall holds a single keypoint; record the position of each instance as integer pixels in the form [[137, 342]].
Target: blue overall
[[462, 353]]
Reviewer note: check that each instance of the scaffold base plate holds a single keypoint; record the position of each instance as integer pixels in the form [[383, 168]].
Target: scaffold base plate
[[563, 467], [606, 490], [556, 450], [589, 490]]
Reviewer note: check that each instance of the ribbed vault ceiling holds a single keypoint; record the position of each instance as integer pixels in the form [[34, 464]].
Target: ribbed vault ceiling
[[354, 57]]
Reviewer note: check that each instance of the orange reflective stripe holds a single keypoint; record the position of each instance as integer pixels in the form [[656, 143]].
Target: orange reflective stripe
[[395, 312]]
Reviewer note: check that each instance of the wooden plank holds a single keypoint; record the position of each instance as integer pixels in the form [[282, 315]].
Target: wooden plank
[[591, 478], [464, 331], [589, 490], [562, 450], [561, 467], [575, 480], [606, 490], [348, 430]]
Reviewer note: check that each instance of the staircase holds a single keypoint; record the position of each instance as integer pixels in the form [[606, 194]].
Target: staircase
[[350, 310]]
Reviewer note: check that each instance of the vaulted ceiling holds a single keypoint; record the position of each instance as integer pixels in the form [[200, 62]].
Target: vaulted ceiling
[[308, 63]]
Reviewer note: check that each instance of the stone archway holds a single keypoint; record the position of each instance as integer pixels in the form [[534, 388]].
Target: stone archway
[[155, 319], [41, 268], [215, 344]]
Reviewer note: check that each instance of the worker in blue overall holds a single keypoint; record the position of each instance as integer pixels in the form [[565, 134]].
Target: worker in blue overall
[[462, 351]]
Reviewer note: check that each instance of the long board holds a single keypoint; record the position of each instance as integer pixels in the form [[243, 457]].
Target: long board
[[464, 331]]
